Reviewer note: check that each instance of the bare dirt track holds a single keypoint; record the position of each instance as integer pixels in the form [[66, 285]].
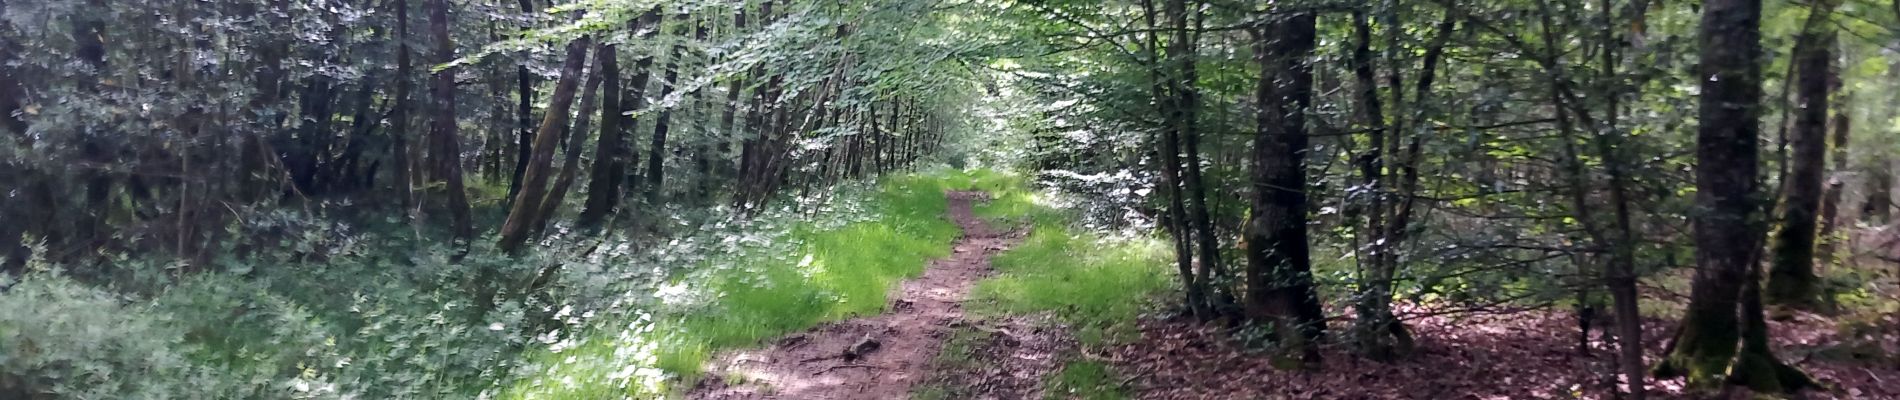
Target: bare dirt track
[[872, 357]]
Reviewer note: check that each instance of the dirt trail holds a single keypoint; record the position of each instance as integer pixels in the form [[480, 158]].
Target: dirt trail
[[816, 364]]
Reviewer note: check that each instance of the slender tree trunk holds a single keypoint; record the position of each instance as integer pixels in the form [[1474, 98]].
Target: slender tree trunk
[[399, 114], [603, 194], [1187, 97], [1792, 281], [610, 154], [448, 151], [524, 111], [576, 139], [1279, 277], [521, 216], [1168, 153], [727, 130], [1826, 251], [1373, 330], [656, 157], [1620, 272]]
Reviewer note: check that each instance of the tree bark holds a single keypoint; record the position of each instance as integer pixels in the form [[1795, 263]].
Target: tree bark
[[657, 153], [448, 152], [399, 113], [1194, 284], [1826, 250], [524, 111], [1791, 279], [576, 139], [603, 193], [521, 215], [1186, 95], [1729, 228], [1279, 277], [1373, 331]]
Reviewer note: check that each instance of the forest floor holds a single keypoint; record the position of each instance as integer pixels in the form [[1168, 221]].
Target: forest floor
[[873, 357], [1514, 355]]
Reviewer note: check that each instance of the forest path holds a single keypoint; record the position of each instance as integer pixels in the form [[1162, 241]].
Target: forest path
[[871, 357]]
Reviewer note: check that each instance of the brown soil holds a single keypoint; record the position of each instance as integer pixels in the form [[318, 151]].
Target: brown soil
[[1007, 358], [819, 363]]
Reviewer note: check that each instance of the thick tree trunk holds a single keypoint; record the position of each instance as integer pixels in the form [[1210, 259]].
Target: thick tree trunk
[[1279, 278], [1728, 230], [1791, 279], [514, 230]]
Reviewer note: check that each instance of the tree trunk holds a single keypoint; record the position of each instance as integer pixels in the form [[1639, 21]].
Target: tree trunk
[[524, 110], [1791, 279], [399, 113], [657, 153], [448, 152], [1168, 172], [1279, 278], [514, 230], [1826, 250], [1186, 95], [603, 193], [1374, 330], [727, 130], [576, 139], [610, 154], [1729, 228]]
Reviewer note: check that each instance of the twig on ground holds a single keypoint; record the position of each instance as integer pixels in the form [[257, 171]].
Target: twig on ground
[[838, 367]]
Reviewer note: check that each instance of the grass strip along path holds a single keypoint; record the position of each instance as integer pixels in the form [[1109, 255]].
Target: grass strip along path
[[833, 272], [872, 357]]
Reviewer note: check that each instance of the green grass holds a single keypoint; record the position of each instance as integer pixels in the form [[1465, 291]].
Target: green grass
[[1097, 285], [838, 273]]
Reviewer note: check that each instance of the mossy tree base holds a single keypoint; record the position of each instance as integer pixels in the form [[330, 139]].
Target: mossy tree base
[[1709, 361], [1383, 342], [1762, 373]]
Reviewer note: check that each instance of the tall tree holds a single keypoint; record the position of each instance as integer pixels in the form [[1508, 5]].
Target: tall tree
[[447, 157], [524, 109], [1791, 278], [521, 215], [657, 153], [1729, 228], [1169, 171], [1279, 276], [604, 189]]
